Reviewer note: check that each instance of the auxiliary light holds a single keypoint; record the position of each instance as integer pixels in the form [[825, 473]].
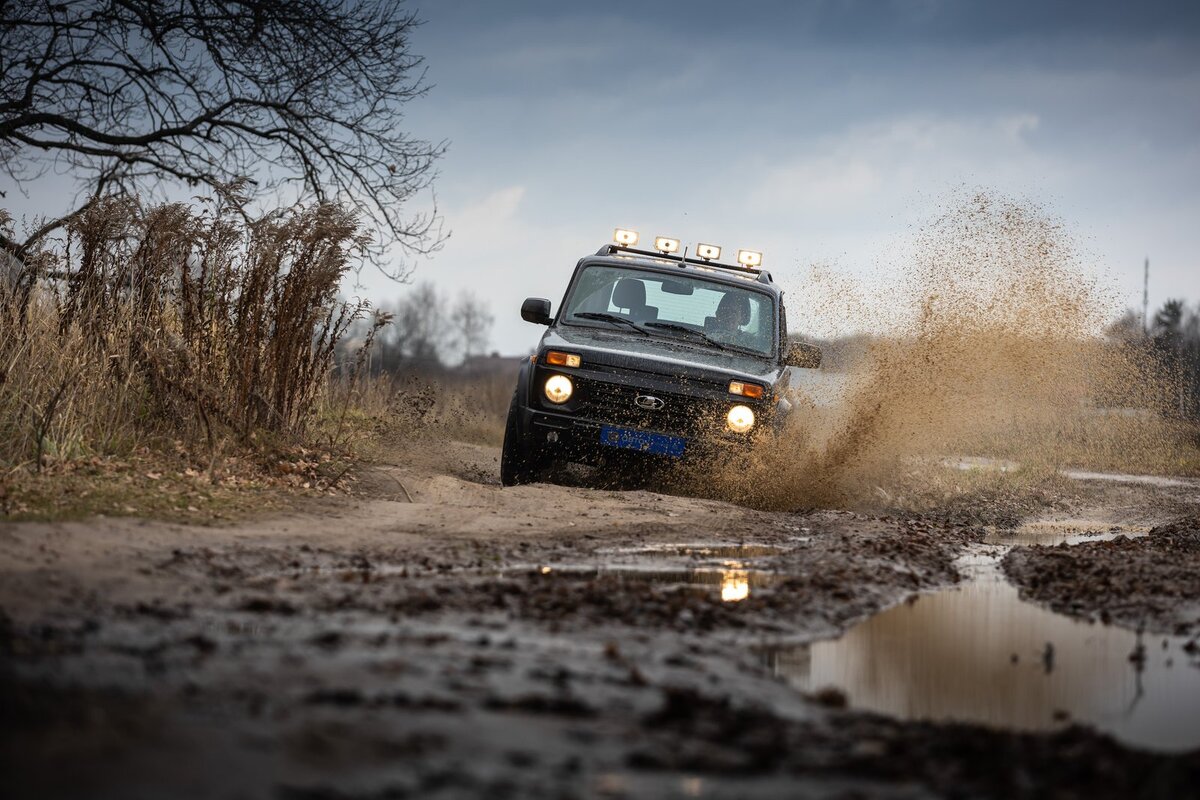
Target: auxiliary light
[[625, 238], [750, 258], [664, 244]]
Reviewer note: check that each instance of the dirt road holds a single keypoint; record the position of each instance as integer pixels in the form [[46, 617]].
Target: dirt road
[[445, 637]]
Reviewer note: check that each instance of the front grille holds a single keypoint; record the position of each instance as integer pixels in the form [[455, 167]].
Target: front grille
[[680, 414]]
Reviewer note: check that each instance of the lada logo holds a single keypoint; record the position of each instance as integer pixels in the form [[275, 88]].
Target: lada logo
[[648, 402]]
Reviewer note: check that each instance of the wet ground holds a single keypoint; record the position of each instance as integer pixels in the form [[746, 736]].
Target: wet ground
[[562, 642]]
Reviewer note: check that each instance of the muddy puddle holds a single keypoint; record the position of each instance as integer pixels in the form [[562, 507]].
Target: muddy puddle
[[973, 653], [733, 582], [1049, 533], [978, 653], [733, 571], [706, 551]]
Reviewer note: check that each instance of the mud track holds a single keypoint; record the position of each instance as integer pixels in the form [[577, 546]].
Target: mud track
[[542, 641]]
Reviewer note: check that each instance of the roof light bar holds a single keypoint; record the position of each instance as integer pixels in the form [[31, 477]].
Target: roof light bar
[[625, 238], [664, 244], [708, 252], [751, 259]]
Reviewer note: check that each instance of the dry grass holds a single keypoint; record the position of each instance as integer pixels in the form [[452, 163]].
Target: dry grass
[[376, 411], [1117, 440], [149, 335]]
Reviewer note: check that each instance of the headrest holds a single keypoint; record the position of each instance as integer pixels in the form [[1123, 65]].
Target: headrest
[[734, 308], [629, 293]]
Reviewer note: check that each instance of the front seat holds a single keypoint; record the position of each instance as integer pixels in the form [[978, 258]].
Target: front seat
[[629, 295], [732, 313]]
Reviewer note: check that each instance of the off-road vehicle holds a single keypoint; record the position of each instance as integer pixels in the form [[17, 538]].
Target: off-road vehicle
[[654, 356]]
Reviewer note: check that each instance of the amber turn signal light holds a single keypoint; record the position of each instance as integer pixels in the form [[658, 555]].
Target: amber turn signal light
[[557, 359], [751, 390]]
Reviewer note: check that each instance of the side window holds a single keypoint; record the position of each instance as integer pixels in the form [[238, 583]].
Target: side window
[[755, 323]]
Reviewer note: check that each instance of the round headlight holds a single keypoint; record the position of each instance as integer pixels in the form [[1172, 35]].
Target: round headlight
[[558, 388], [740, 419]]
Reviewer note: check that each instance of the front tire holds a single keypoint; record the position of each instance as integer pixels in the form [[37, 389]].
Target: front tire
[[518, 459]]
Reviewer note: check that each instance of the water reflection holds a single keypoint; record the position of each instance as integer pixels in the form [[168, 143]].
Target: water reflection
[[735, 585], [734, 579], [1064, 531], [731, 569], [702, 551], [978, 653]]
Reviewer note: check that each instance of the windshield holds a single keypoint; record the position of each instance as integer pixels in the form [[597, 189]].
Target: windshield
[[684, 307]]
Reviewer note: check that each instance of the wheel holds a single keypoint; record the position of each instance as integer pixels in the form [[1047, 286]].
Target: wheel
[[518, 459]]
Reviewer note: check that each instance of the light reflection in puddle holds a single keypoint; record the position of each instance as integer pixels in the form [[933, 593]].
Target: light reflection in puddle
[[977, 653], [729, 568], [734, 581], [735, 585]]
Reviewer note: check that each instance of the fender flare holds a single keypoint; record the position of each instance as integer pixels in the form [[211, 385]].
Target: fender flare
[[524, 379]]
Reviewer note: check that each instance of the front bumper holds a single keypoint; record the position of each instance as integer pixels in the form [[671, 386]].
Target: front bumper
[[572, 430], [574, 439]]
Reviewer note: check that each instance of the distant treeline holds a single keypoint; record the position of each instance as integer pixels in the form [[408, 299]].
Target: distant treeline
[[425, 332], [1171, 339]]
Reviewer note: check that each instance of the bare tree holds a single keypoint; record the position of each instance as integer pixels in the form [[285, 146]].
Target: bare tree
[[296, 96], [471, 322], [418, 327]]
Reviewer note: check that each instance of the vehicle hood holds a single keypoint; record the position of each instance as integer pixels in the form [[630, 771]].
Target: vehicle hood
[[657, 355]]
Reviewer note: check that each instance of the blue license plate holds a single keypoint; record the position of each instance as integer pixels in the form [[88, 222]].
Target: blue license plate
[[643, 441]]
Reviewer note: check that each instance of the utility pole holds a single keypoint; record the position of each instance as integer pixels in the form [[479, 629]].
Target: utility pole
[[1146, 300]]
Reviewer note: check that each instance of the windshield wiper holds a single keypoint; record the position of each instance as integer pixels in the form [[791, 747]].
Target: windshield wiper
[[604, 316], [671, 326]]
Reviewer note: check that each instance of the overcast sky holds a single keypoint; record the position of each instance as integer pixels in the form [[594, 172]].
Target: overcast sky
[[819, 132]]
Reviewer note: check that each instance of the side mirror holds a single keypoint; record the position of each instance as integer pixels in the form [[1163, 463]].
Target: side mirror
[[536, 310], [803, 355]]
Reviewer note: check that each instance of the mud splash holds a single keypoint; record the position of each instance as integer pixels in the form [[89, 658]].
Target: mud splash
[[996, 347]]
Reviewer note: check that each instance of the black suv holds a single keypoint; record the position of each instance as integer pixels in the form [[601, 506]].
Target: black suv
[[651, 353]]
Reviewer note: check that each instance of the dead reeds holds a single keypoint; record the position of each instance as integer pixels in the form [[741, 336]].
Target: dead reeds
[[169, 322]]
